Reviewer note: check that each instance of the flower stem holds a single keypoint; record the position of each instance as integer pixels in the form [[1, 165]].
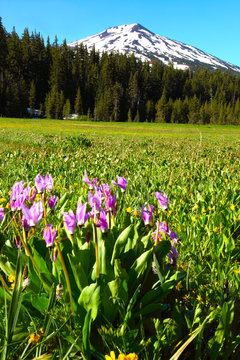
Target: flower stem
[[156, 238], [44, 209]]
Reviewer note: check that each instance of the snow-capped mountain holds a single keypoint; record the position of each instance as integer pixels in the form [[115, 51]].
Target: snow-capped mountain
[[149, 46]]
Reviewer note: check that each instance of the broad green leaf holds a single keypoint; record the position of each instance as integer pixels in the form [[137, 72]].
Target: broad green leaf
[[78, 272], [120, 243], [90, 299], [40, 302], [139, 267]]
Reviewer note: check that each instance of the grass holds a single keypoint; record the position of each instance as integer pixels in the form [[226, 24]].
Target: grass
[[198, 168]]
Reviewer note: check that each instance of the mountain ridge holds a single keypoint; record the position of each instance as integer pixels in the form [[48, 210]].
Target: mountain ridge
[[148, 46]]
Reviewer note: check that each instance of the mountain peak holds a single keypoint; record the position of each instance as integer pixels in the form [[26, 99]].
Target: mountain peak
[[147, 46]]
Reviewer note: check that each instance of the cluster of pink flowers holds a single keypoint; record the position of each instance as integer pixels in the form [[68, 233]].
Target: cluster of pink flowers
[[146, 214], [101, 202]]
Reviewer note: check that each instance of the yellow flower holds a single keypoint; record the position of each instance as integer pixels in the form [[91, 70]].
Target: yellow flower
[[8, 206], [216, 229], [232, 207], [2, 200], [122, 357], [179, 286], [135, 213], [199, 298], [203, 210], [186, 297], [169, 213], [132, 356], [128, 209], [210, 208], [237, 271], [11, 278], [226, 180], [41, 331], [33, 338], [111, 357], [194, 219]]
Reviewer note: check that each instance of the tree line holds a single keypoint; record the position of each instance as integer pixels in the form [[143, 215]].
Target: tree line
[[58, 80]]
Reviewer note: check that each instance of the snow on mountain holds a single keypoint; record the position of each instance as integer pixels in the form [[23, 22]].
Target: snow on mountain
[[149, 46]]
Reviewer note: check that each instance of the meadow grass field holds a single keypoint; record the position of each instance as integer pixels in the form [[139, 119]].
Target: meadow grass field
[[148, 269]]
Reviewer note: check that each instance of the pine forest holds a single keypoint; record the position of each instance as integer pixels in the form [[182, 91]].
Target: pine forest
[[59, 81]]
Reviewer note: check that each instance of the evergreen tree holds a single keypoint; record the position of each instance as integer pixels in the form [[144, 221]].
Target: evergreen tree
[[67, 109], [32, 98], [78, 103]]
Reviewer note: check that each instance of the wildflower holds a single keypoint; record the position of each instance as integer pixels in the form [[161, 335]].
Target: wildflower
[[29, 193], [111, 202], [216, 229], [146, 214], [173, 254], [1, 214], [34, 214], [162, 199], [131, 356], [121, 182], [194, 219], [179, 286], [203, 210], [92, 183], [41, 331], [59, 292], [26, 280], [25, 224], [52, 201], [102, 223], [33, 338], [17, 241], [199, 298], [232, 207], [17, 197], [69, 221], [42, 183], [11, 279], [49, 234], [95, 201], [81, 214], [111, 357], [129, 209], [55, 254]]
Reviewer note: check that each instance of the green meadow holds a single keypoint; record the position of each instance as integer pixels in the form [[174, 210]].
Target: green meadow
[[130, 289]]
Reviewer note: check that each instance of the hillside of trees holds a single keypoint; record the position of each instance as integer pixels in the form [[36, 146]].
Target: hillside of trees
[[58, 81]]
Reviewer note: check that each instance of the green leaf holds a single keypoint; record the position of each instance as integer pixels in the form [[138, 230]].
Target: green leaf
[[90, 299], [162, 249], [40, 302], [48, 280], [120, 243], [138, 268], [78, 272]]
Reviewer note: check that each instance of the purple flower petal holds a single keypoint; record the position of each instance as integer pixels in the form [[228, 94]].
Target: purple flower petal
[[1, 214], [49, 234], [70, 221], [162, 199]]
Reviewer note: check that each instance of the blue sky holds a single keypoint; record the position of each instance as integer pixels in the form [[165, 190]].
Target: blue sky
[[211, 26]]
